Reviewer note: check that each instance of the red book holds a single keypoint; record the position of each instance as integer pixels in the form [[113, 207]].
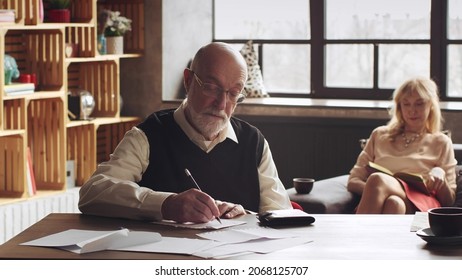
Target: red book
[[414, 180]]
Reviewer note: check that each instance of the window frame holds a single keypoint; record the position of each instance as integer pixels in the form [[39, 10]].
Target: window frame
[[438, 43]]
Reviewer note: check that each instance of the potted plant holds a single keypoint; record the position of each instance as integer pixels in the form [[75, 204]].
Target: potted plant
[[113, 26], [58, 10]]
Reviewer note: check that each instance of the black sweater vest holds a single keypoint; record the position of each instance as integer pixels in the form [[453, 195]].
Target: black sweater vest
[[229, 172]]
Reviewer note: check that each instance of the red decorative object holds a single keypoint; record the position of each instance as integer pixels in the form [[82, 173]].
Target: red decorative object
[[24, 78], [63, 15], [295, 205]]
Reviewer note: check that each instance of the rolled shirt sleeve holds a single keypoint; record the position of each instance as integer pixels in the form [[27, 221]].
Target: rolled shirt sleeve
[[273, 194], [112, 191]]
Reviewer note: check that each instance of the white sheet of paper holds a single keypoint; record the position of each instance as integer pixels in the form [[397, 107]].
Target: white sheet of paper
[[247, 234], [174, 245], [262, 246], [288, 212], [214, 249], [419, 221], [213, 224], [86, 241]]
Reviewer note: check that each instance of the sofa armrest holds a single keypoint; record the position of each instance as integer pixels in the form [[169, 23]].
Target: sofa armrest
[[329, 196], [458, 201]]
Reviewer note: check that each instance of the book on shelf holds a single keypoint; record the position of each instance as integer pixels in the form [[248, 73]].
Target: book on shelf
[[21, 92], [13, 87], [412, 179], [7, 15], [31, 186], [19, 89]]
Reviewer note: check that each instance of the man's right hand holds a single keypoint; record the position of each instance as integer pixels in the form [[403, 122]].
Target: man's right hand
[[190, 206]]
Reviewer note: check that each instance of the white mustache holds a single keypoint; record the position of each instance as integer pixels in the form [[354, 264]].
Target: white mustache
[[216, 113]]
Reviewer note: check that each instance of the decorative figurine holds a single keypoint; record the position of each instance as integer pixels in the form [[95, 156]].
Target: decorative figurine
[[11, 69]]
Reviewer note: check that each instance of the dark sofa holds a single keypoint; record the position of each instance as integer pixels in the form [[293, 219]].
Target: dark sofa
[[330, 196]]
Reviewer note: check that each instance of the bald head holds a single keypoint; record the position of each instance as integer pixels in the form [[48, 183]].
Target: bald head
[[219, 66], [218, 54]]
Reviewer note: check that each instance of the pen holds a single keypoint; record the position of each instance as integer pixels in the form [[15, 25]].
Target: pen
[[196, 185]]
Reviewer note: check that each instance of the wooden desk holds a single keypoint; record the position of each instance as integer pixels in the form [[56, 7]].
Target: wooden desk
[[335, 237]]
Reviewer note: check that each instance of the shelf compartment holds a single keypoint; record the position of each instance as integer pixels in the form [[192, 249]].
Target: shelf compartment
[[4, 133], [109, 136], [40, 52], [134, 10], [101, 79], [14, 114], [18, 6], [32, 12], [12, 166], [81, 143], [46, 138], [84, 37], [82, 11], [91, 142]]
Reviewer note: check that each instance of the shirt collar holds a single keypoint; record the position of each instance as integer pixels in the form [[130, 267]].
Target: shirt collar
[[196, 137]]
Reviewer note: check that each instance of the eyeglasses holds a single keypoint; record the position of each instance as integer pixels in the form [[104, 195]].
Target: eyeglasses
[[233, 95]]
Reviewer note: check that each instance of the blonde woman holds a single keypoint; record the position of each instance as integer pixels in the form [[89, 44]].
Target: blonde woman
[[412, 142]]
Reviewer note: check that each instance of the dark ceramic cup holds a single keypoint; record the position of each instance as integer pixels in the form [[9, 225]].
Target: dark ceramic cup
[[303, 185], [446, 221]]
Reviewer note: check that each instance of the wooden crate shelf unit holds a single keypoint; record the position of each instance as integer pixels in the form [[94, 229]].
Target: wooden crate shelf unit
[[101, 79], [12, 166], [109, 136], [14, 114], [46, 139], [83, 38], [40, 52], [37, 121], [134, 10], [81, 143]]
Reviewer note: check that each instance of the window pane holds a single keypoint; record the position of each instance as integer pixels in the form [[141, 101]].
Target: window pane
[[454, 71], [399, 62], [286, 68], [262, 19], [455, 19], [349, 65], [378, 19]]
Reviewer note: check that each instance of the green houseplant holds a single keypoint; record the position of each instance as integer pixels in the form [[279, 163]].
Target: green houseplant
[[58, 10], [116, 25]]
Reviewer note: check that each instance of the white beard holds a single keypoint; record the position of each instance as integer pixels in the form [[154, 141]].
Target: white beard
[[207, 125]]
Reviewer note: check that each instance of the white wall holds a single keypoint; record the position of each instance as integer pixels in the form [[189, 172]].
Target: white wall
[[16, 217]]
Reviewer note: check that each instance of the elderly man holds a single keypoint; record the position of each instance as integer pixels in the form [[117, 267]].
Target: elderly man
[[229, 158]]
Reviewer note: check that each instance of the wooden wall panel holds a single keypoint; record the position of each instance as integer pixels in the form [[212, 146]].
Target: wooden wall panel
[[313, 147]]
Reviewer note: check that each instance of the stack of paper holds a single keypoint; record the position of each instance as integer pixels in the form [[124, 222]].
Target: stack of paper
[[260, 240], [219, 244]]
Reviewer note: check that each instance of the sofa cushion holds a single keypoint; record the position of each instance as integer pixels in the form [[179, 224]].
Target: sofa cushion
[[329, 196], [458, 201]]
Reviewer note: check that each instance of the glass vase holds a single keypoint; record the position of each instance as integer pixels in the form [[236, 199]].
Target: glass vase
[[102, 46]]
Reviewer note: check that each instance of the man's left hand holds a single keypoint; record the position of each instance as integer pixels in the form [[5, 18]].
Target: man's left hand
[[229, 210]]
